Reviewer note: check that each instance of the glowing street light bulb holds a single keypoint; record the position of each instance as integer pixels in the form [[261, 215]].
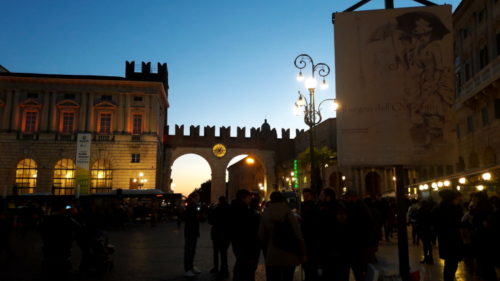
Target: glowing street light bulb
[[480, 187], [434, 185], [324, 85], [458, 187], [421, 187], [447, 183], [486, 176], [462, 180], [311, 83], [300, 77], [426, 186], [335, 105], [440, 184], [250, 160]]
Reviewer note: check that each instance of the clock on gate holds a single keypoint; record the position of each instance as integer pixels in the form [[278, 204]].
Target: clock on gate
[[219, 150]]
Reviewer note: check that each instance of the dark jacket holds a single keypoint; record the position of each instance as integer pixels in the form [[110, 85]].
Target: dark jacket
[[192, 221], [244, 231], [274, 255], [331, 227], [447, 223], [220, 219]]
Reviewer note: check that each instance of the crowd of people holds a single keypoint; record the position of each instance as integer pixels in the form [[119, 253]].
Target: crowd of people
[[330, 237], [465, 230]]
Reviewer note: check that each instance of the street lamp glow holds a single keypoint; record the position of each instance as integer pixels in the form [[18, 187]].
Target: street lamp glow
[[250, 160], [335, 105], [434, 185], [343, 178], [440, 184], [141, 174], [462, 180], [301, 101], [311, 83], [394, 178], [447, 183], [486, 176], [426, 186], [421, 187], [324, 85], [458, 187], [480, 187], [296, 110], [300, 77]]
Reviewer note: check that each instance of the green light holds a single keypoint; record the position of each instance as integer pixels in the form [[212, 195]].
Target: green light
[[295, 174]]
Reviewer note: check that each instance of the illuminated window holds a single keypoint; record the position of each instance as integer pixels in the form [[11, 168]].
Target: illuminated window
[[64, 177], [30, 122], [100, 176], [137, 124], [68, 121], [26, 175], [105, 123]]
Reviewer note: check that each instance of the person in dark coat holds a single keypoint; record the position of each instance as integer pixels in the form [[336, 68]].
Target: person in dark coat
[[362, 235], [308, 211], [281, 237], [447, 223], [331, 228], [191, 234], [6, 225], [220, 219], [424, 228], [57, 232], [244, 237], [483, 240]]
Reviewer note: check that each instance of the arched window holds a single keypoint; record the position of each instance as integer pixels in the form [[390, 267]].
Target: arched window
[[64, 177], [100, 176], [26, 175]]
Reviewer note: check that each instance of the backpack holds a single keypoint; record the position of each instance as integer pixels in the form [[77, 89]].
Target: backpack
[[284, 237]]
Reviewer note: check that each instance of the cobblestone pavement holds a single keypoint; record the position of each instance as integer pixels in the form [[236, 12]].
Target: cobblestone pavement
[[144, 253]]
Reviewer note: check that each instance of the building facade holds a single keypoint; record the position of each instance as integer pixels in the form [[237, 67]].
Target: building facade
[[42, 114]]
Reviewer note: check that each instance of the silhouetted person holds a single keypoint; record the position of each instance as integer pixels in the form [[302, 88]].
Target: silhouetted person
[[57, 232], [220, 219], [191, 234], [281, 261], [362, 235], [6, 224], [447, 222], [244, 237], [411, 219], [481, 211], [425, 231], [308, 212]]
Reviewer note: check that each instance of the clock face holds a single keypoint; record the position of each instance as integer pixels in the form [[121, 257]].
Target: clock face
[[219, 150]]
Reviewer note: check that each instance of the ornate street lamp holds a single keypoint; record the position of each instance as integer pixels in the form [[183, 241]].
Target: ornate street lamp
[[312, 114]]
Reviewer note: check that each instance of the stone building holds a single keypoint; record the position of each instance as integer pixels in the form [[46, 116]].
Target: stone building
[[41, 115], [477, 104]]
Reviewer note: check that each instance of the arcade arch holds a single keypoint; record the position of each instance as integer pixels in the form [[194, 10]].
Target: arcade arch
[[189, 171], [218, 166]]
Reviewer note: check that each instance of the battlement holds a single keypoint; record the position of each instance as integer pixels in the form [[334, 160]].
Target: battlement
[[145, 73], [225, 133]]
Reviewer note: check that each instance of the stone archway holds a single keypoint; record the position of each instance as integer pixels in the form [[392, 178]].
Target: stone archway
[[219, 165]]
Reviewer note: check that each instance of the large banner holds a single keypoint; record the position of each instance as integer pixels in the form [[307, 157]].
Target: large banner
[[395, 86], [82, 163]]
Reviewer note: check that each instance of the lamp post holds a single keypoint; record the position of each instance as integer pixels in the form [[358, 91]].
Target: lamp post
[[312, 114]]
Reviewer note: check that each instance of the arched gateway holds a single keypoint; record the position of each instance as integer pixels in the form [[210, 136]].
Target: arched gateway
[[263, 144]]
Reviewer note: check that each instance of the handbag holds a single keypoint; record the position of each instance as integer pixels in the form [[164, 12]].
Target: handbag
[[285, 238]]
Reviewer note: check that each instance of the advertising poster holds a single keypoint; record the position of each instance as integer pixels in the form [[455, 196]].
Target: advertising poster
[[394, 76], [82, 176]]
